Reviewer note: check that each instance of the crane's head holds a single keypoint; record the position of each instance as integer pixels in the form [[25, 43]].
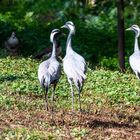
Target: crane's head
[[54, 34], [70, 26], [136, 29], [13, 35]]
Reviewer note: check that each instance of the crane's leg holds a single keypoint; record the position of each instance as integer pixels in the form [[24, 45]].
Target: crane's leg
[[79, 99], [52, 106], [72, 94], [46, 98], [53, 93]]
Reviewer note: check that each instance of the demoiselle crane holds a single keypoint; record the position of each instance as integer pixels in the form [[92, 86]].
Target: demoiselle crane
[[49, 71], [134, 59], [74, 65]]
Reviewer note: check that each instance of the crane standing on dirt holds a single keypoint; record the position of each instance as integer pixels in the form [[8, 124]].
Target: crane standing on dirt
[[49, 71], [74, 64]]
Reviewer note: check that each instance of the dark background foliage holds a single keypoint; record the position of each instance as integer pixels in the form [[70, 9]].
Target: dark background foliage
[[96, 26]]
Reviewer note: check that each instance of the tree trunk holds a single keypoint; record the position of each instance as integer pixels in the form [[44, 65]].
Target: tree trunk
[[121, 50]]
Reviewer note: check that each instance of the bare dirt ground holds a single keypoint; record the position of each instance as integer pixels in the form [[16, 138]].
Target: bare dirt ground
[[118, 123]]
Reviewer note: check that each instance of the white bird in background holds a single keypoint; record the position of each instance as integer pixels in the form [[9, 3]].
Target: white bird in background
[[49, 71], [74, 65], [134, 59]]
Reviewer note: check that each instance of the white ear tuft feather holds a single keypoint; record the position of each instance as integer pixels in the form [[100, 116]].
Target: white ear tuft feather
[[55, 31]]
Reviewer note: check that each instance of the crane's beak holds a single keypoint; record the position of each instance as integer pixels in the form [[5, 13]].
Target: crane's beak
[[128, 29], [64, 26]]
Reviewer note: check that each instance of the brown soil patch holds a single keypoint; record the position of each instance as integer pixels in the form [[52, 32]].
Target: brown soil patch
[[108, 123]]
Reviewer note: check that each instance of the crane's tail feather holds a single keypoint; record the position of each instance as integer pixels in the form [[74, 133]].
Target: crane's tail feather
[[79, 83]]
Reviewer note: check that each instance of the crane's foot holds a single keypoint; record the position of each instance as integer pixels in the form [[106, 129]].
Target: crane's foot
[[52, 121], [82, 111], [46, 107]]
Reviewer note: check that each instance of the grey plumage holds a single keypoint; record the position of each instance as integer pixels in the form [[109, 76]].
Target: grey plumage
[[134, 59], [74, 65], [12, 44], [49, 71]]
